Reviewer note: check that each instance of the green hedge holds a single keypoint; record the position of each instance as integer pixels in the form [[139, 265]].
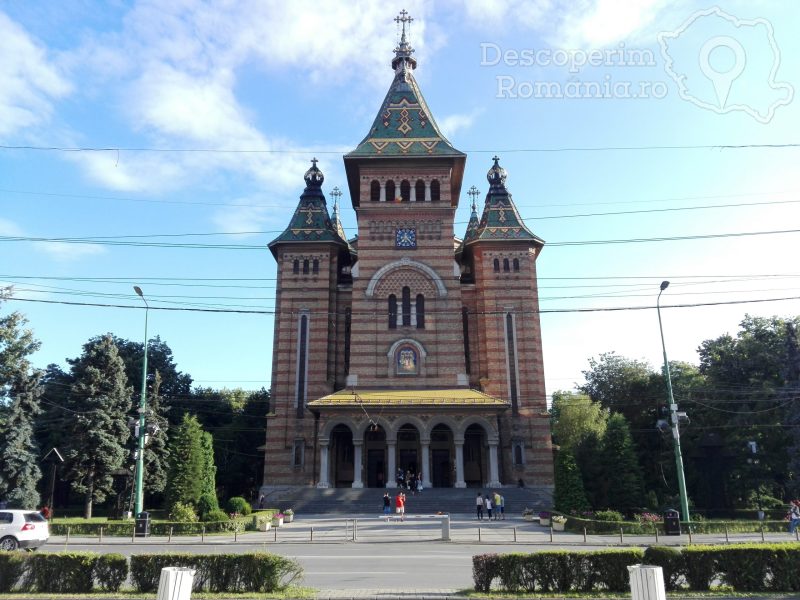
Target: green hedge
[[253, 572], [160, 528], [577, 525], [744, 567]]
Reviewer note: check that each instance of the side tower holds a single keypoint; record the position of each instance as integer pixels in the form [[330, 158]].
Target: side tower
[[312, 258], [498, 259]]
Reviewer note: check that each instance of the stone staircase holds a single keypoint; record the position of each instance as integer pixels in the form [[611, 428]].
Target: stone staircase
[[369, 501]]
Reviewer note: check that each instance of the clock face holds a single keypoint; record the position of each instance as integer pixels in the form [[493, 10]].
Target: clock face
[[405, 237]]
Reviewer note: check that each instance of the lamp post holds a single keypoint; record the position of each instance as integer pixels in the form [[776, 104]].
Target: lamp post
[[673, 408], [139, 489]]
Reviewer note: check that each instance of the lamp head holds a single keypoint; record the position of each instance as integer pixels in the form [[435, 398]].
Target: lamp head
[[138, 290], [664, 285]]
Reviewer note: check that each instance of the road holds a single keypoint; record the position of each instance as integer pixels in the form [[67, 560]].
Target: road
[[387, 555]]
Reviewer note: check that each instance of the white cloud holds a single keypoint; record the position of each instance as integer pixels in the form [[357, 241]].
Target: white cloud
[[235, 219], [452, 124], [63, 252], [9, 228], [29, 82]]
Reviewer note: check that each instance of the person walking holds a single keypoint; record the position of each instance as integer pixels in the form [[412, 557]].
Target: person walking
[[387, 505], [479, 507], [488, 501], [794, 515], [400, 505], [502, 507]]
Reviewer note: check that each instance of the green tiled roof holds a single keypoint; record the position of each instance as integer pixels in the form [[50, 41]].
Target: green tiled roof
[[310, 222], [500, 220]]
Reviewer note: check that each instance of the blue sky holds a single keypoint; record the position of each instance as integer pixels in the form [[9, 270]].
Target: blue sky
[[659, 110]]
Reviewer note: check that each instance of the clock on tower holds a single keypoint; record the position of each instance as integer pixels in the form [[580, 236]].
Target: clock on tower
[[405, 237]]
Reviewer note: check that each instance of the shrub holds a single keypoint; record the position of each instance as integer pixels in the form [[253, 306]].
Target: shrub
[[62, 573], [237, 504], [12, 567], [207, 503], [701, 568], [671, 562], [609, 515], [182, 512], [484, 570], [216, 516], [611, 567], [111, 571]]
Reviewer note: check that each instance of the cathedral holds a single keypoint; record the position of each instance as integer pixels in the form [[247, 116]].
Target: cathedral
[[408, 346]]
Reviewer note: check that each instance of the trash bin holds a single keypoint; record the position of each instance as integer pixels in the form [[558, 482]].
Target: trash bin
[[142, 525], [175, 583], [647, 582], [672, 522]]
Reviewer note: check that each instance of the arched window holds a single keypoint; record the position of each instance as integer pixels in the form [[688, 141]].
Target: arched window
[[305, 267], [420, 311], [375, 190], [348, 323], [435, 192], [302, 365], [392, 312], [518, 457], [405, 190], [496, 265], [419, 190], [505, 265], [516, 264], [406, 306], [465, 329], [390, 191], [315, 266], [296, 267]]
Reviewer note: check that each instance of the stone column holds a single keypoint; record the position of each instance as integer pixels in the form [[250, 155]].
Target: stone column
[[391, 451], [427, 191], [413, 192], [494, 480], [460, 483], [426, 468], [357, 466], [383, 191], [323, 465], [413, 313]]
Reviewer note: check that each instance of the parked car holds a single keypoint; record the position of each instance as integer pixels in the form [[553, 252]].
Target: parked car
[[22, 529]]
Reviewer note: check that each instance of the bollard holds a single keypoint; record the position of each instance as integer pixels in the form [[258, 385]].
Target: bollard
[[446, 528], [67, 540], [515, 534], [690, 535], [346, 530], [133, 535], [551, 533], [101, 535], [169, 539], [479, 534], [584, 535], [275, 536], [762, 533], [621, 538], [355, 530], [235, 533], [203, 534], [312, 535], [656, 535], [797, 535], [727, 541]]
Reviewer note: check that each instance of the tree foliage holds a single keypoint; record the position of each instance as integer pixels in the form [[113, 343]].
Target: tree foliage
[[574, 418], [621, 470], [191, 464], [569, 494]]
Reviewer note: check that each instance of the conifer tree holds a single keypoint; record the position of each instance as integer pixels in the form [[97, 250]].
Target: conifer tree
[[100, 401], [621, 469], [186, 463], [569, 495]]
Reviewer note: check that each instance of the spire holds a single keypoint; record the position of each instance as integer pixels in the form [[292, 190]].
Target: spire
[[472, 226], [500, 220], [310, 222], [335, 221], [404, 125]]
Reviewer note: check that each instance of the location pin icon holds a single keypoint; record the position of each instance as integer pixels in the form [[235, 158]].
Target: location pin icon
[[722, 80]]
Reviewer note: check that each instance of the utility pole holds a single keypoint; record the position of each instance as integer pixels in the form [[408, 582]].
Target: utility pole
[[675, 415], [140, 430]]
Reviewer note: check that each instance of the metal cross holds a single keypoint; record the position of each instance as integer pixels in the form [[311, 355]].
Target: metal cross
[[496, 158], [473, 193], [314, 162], [336, 193], [403, 18]]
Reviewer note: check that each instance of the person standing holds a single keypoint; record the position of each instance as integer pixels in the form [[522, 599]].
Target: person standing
[[488, 500], [387, 505], [479, 507], [502, 507], [794, 515], [419, 483], [400, 505]]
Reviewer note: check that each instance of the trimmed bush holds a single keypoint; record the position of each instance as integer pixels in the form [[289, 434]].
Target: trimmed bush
[[207, 503], [671, 562], [182, 512], [62, 573], [253, 572], [609, 515], [12, 567], [700, 566], [216, 516], [484, 570], [111, 571], [237, 504]]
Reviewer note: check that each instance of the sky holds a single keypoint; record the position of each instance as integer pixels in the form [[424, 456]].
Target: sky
[[163, 144]]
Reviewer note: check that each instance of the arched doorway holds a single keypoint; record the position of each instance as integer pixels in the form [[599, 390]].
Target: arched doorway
[[442, 471], [476, 472], [408, 451], [341, 452], [375, 447]]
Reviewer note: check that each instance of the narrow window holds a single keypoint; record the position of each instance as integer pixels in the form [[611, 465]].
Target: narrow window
[[405, 190], [305, 267], [390, 191], [420, 311], [392, 312], [505, 265], [435, 190], [406, 306], [375, 190], [516, 264], [511, 355], [297, 459], [315, 266], [348, 319], [296, 267], [419, 190], [302, 365], [518, 454], [496, 265], [465, 329]]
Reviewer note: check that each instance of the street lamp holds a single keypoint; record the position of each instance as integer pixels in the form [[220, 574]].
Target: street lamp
[[139, 490], [673, 407]]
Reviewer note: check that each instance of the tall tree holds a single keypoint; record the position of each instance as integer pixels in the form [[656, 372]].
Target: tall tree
[[574, 418], [100, 401], [621, 468], [569, 495], [186, 463], [19, 396]]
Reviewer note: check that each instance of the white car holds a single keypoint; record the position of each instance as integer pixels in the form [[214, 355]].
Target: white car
[[22, 529]]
